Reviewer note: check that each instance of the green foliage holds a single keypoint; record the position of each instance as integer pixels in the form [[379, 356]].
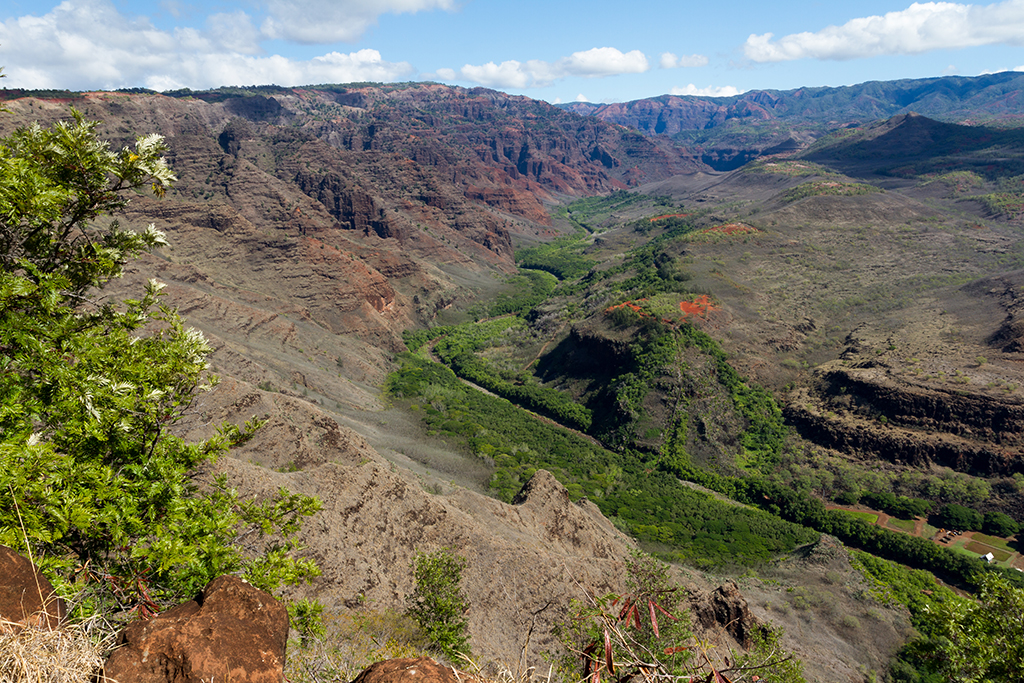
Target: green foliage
[[999, 524], [529, 288], [830, 188], [953, 516], [915, 589], [55, 185], [627, 486], [350, 642], [307, 617], [767, 656], [898, 506], [563, 258], [646, 633], [458, 347], [438, 604], [789, 168], [91, 481], [765, 434], [977, 641], [646, 624]]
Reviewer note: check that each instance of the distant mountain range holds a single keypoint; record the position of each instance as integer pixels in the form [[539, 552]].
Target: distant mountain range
[[981, 99], [733, 130]]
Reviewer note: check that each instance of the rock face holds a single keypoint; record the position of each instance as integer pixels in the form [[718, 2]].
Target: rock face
[[26, 597], [412, 670], [974, 431], [725, 608], [230, 632]]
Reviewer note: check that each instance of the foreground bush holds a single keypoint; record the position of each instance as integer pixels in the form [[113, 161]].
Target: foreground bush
[[92, 485]]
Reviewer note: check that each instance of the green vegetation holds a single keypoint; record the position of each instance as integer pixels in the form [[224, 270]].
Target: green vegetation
[[92, 485], [563, 258], [958, 517], [904, 525], [1009, 204], [438, 603], [617, 637], [346, 643], [831, 188], [627, 486], [457, 348], [790, 168], [959, 181], [869, 517], [529, 288]]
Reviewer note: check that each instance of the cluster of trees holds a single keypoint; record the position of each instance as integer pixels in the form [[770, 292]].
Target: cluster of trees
[[458, 348], [529, 288], [949, 516], [92, 483], [804, 509], [953, 516], [628, 486], [563, 258]]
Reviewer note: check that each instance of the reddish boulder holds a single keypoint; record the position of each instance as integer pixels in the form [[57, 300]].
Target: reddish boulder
[[412, 670], [230, 632], [26, 597]]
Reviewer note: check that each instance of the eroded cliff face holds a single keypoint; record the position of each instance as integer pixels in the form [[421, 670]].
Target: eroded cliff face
[[866, 410]]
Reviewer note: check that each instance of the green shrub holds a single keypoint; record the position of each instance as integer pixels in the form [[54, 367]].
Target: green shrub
[[91, 483], [438, 604]]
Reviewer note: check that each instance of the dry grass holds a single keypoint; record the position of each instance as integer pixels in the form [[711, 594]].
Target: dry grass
[[352, 642], [67, 655]]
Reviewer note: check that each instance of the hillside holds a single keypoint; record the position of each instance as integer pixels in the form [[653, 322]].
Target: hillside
[[729, 131], [840, 323]]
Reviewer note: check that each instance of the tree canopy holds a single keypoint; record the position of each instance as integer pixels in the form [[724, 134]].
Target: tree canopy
[[92, 483]]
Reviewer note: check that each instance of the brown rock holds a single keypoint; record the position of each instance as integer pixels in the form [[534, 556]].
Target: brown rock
[[26, 597], [230, 632], [412, 670], [725, 608]]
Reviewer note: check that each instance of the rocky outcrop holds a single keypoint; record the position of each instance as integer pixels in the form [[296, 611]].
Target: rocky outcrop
[[413, 670], [230, 632], [725, 608], [861, 408], [27, 598]]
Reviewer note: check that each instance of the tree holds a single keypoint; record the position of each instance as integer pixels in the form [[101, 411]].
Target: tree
[[437, 603], [953, 516], [999, 524], [981, 640], [92, 484]]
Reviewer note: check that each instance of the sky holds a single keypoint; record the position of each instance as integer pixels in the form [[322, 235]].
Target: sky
[[553, 50]]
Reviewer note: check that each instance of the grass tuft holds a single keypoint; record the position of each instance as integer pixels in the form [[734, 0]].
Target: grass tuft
[[70, 654]]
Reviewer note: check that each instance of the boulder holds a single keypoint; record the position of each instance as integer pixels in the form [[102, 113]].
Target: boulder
[[725, 608], [230, 632], [26, 597], [412, 670]]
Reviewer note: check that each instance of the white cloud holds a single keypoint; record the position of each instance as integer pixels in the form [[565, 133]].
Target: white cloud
[[671, 61], [87, 44], [582, 98], [316, 21], [597, 62], [691, 89], [919, 28]]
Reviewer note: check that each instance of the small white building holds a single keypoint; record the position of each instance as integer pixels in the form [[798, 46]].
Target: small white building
[[988, 557]]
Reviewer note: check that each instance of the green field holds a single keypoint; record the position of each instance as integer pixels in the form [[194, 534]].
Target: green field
[[869, 517], [906, 525], [994, 541], [981, 549]]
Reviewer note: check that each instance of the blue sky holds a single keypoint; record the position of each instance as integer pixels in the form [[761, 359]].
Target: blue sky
[[555, 50]]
